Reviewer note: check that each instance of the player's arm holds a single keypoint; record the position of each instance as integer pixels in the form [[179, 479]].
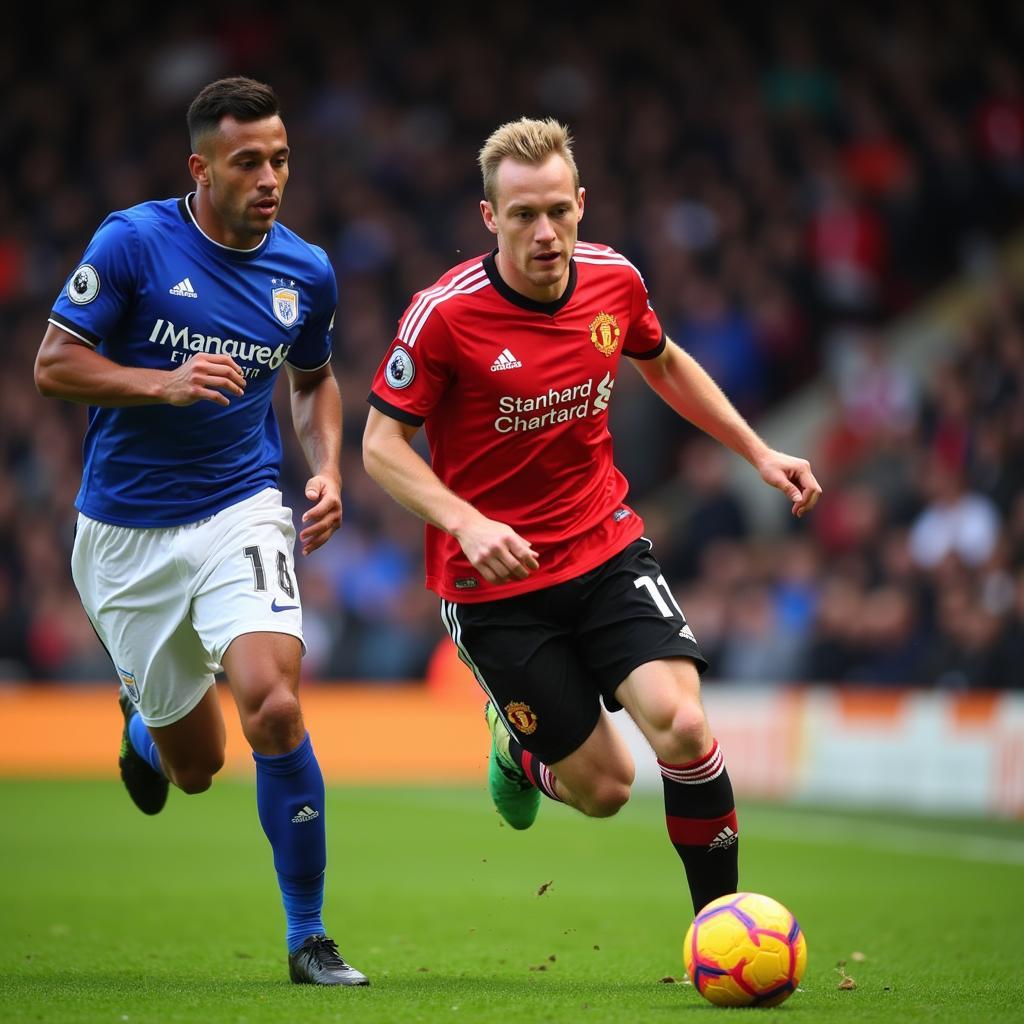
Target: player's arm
[[688, 389], [316, 417], [68, 368], [494, 549]]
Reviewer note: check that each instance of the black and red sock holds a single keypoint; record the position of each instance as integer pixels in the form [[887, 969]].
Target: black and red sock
[[534, 769], [701, 816]]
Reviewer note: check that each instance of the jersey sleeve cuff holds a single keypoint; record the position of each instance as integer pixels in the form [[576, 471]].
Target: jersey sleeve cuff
[[393, 411], [308, 369], [92, 340], [651, 353]]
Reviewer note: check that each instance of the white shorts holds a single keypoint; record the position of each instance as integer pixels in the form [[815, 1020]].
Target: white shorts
[[167, 602]]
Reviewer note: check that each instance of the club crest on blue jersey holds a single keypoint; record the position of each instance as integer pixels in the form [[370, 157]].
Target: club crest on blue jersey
[[286, 305]]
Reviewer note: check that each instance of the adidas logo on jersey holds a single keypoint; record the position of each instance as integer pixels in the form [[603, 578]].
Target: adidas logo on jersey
[[305, 814], [722, 841], [184, 289], [505, 361]]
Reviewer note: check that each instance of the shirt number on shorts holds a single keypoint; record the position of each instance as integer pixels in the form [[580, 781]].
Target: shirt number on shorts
[[652, 589], [259, 575]]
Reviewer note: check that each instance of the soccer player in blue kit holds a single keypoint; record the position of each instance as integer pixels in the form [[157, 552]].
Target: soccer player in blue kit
[[172, 330]]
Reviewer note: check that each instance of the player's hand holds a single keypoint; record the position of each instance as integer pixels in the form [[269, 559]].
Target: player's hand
[[205, 377], [324, 517], [496, 551], [794, 478]]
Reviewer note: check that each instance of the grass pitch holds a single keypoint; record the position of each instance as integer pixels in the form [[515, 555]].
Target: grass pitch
[[108, 916]]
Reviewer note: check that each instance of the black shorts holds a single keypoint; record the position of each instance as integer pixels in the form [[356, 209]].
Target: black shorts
[[547, 658]]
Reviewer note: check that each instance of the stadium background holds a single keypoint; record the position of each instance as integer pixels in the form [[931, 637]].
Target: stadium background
[[826, 207]]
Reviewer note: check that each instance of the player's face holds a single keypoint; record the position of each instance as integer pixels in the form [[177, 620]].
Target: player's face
[[243, 168], [536, 214]]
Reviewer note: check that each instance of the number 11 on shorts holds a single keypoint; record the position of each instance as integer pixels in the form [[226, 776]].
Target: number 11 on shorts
[[652, 589]]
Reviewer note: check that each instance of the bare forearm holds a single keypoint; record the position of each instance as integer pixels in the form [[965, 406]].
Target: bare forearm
[[493, 548], [79, 374], [316, 417], [687, 388], [397, 467], [66, 368]]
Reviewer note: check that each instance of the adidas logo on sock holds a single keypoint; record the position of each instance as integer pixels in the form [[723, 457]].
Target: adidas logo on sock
[[505, 361], [724, 839], [184, 288], [305, 814]]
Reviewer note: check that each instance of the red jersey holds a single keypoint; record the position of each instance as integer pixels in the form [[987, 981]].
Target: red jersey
[[514, 394]]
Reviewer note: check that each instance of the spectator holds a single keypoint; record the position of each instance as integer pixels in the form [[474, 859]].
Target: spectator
[[774, 175]]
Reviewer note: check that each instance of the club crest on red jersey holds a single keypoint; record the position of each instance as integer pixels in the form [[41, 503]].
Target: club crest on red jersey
[[604, 333], [522, 717]]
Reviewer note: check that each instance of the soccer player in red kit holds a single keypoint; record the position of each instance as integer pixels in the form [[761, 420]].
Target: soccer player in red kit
[[547, 586]]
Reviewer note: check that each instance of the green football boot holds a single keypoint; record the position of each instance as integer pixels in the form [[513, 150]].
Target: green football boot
[[515, 796]]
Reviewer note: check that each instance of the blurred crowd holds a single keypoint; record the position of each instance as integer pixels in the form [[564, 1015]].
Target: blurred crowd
[[789, 180]]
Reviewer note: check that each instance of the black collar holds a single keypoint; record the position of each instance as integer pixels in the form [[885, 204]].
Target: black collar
[[518, 299]]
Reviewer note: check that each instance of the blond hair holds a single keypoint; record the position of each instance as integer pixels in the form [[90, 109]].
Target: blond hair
[[528, 141]]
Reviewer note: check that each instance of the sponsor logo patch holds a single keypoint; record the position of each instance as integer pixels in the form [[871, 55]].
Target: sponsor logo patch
[[84, 285], [466, 583], [522, 717]]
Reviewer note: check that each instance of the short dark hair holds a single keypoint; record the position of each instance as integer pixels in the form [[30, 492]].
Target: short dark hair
[[244, 99]]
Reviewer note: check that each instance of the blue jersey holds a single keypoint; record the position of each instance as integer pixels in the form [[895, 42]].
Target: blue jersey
[[153, 291]]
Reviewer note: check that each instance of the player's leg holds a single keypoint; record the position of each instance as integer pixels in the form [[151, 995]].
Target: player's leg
[[595, 778], [248, 612], [549, 735], [132, 593], [640, 648], [263, 672], [188, 752], [663, 698]]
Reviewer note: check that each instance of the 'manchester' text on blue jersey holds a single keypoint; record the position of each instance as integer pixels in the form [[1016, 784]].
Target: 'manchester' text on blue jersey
[[153, 291]]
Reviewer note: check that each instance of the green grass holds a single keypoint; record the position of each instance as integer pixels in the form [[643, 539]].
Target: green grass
[[106, 916]]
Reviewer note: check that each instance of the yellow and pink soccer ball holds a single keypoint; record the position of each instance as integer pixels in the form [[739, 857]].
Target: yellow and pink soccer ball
[[745, 949]]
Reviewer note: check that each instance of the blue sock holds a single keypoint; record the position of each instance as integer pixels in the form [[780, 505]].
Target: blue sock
[[290, 801], [143, 743]]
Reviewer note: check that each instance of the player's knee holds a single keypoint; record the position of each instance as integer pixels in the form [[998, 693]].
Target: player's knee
[[195, 778], [687, 735], [606, 799], [275, 723]]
